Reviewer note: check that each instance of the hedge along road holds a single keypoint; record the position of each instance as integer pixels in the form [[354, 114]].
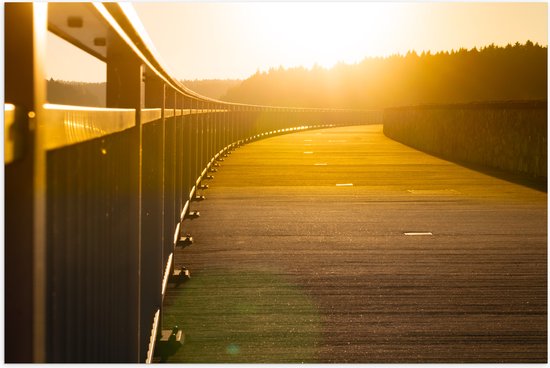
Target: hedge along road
[[341, 245]]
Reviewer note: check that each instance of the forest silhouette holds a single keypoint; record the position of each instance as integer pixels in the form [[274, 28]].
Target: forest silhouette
[[514, 72], [75, 93], [94, 94], [492, 73], [215, 88]]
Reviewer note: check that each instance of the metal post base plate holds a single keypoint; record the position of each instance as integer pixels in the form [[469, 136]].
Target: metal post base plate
[[185, 240], [193, 214], [168, 343]]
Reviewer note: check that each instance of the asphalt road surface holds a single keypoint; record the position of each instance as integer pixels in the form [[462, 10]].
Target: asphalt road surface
[[341, 245]]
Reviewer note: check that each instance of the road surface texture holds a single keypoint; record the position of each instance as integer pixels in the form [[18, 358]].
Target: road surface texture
[[341, 245]]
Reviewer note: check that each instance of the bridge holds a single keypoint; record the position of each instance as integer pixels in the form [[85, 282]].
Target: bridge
[[309, 234]]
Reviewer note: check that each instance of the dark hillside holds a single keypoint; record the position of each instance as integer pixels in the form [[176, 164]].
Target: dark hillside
[[492, 73], [213, 88], [93, 94], [76, 93]]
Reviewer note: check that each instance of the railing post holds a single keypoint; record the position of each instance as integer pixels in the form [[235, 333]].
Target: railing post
[[186, 132], [125, 90], [238, 125], [221, 125], [152, 207], [179, 154], [194, 135], [213, 129], [198, 163], [205, 135], [228, 128], [171, 213], [202, 137], [25, 181], [217, 123], [207, 143], [249, 122]]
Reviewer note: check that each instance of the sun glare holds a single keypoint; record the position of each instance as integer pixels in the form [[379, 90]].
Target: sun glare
[[235, 39], [327, 33]]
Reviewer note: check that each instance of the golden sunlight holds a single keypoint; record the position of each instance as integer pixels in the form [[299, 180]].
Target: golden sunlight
[[236, 39], [376, 175], [327, 33]]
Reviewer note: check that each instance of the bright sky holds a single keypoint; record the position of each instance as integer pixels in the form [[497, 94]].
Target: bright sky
[[234, 40]]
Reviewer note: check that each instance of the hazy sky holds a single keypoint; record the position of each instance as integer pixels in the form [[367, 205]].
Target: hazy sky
[[233, 40]]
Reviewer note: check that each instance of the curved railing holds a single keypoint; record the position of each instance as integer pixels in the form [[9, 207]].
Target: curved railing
[[97, 198]]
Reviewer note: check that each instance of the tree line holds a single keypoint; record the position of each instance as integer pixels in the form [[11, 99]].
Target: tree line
[[94, 94], [492, 73], [75, 93]]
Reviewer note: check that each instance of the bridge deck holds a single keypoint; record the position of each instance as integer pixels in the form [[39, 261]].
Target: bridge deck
[[289, 267]]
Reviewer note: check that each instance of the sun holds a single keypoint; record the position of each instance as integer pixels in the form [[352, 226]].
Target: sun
[[327, 33]]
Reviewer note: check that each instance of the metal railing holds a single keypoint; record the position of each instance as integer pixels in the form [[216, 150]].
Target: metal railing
[[95, 199]]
